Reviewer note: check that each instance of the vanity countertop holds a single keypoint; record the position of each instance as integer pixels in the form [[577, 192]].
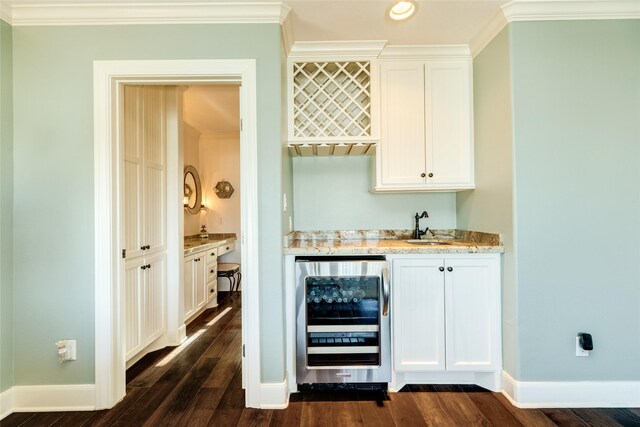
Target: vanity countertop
[[196, 244], [390, 242]]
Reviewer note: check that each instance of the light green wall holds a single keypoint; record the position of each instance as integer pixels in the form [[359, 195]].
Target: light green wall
[[53, 118], [490, 206], [6, 207], [576, 111], [332, 193]]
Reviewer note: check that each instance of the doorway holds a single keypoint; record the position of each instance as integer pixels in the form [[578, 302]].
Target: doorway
[[109, 80]]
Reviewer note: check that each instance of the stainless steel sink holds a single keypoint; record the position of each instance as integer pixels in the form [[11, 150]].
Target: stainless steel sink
[[428, 242]]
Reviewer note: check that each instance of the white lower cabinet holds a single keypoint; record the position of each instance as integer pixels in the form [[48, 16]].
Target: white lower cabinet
[[446, 318], [195, 283], [144, 299]]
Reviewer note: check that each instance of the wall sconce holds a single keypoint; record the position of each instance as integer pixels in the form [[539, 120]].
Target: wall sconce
[[185, 202], [223, 189]]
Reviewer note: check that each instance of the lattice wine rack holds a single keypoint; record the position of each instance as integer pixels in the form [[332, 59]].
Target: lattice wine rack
[[331, 103]]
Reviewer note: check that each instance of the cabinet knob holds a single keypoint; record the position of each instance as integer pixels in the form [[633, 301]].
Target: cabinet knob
[[213, 270], [430, 175], [441, 268], [143, 247], [148, 265], [423, 174], [449, 268], [212, 290], [227, 247], [144, 267], [213, 254]]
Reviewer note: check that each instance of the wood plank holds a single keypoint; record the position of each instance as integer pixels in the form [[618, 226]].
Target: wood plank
[[431, 406], [176, 403], [460, 408], [230, 362], [109, 417], [230, 407], [528, 417], [563, 417], [77, 418], [405, 411], [17, 419], [375, 413], [490, 407], [39, 419], [595, 417], [291, 416], [624, 416], [314, 410], [202, 407], [252, 417]]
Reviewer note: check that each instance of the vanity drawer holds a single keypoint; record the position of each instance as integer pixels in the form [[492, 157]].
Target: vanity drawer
[[212, 291], [212, 272], [226, 248], [212, 255]]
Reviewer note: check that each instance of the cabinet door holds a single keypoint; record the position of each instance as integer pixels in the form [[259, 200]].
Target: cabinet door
[[189, 286], [154, 190], [472, 314], [154, 292], [418, 315], [402, 139], [133, 159], [448, 122], [200, 288], [134, 277]]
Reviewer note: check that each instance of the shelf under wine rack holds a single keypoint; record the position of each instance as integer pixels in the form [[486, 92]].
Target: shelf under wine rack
[[330, 149]]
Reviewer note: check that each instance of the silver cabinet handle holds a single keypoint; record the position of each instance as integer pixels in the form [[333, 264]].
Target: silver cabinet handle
[[385, 291]]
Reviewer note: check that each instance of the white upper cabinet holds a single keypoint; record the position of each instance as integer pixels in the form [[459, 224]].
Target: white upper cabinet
[[426, 139], [145, 169]]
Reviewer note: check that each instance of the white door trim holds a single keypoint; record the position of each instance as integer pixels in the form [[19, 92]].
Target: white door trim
[[109, 76]]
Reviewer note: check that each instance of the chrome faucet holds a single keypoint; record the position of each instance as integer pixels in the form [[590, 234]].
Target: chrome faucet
[[417, 233]]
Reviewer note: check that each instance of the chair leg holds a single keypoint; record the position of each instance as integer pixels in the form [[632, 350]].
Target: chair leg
[[238, 284]]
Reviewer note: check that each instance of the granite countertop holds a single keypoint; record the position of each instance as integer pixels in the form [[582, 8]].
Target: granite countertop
[[196, 244], [390, 242]]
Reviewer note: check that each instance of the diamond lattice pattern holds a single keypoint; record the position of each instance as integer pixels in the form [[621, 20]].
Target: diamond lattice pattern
[[331, 99]]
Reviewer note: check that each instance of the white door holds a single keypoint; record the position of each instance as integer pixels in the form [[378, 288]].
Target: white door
[[418, 315], [472, 314], [402, 137]]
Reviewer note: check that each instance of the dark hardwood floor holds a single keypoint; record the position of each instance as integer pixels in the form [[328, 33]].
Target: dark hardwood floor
[[200, 384]]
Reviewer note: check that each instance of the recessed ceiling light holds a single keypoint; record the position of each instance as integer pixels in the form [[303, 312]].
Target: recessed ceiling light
[[402, 10]]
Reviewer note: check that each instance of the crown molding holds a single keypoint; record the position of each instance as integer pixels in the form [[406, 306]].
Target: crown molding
[[5, 12], [426, 52], [287, 34], [38, 12], [565, 10], [337, 49], [488, 33]]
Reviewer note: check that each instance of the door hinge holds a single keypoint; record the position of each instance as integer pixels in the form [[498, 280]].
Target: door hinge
[[243, 354], [124, 253], [240, 125]]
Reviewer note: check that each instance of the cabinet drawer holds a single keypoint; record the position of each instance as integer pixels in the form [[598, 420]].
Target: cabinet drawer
[[212, 272], [212, 255], [226, 248], [212, 290]]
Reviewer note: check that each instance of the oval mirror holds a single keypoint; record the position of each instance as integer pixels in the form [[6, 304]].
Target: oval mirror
[[192, 190]]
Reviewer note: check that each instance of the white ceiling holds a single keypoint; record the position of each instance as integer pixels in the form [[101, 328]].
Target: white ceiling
[[435, 21], [440, 22], [213, 109]]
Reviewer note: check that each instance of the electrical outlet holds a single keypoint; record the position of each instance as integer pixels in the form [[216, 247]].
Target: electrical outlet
[[579, 351], [66, 350]]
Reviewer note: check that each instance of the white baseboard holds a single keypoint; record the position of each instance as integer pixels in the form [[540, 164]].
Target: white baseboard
[[274, 395], [6, 403], [571, 394], [48, 398]]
